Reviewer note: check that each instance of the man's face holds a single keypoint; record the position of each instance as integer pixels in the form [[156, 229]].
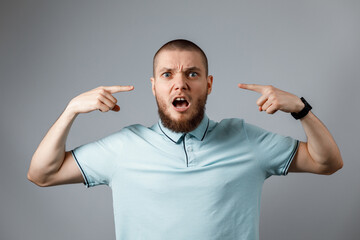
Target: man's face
[[180, 86]]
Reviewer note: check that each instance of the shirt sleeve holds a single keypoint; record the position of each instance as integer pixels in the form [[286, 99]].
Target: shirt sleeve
[[273, 152], [98, 160]]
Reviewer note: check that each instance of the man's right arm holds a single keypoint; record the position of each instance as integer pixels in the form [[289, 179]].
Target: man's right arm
[[51, 164]]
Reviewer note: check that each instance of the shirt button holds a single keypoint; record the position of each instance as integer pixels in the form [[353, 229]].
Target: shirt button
[[190, 149]]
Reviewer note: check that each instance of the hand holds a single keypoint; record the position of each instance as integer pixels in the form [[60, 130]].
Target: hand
[[274, 99], [97, 99]]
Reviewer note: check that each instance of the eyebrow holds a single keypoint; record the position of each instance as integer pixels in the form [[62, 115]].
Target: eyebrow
[[165, 69]]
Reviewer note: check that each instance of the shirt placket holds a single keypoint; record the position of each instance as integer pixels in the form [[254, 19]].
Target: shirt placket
[[188, 145]]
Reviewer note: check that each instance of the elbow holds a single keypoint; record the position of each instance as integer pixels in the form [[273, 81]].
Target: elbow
[[341, 164], [38, 174], [334, 167], [37, 181]]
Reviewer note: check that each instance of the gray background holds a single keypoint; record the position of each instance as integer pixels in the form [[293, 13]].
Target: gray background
[[51, 51]]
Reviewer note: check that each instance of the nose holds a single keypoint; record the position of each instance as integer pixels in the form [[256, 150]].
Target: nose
[[180, 82]]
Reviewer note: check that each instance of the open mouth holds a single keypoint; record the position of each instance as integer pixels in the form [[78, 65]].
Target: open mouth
[[180, 103]]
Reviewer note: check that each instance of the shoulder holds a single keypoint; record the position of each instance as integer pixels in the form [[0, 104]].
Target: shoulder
[[124, 133], [135, 128], [228, 126], [131, 130], [231, 124], [238, 125], [137, 132]]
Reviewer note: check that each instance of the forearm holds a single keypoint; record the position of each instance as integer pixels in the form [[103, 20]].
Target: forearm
[[50, 164], [320, 143], [50, 153]]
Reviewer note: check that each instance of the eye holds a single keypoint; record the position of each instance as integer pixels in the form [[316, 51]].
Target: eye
[[193, 74], [166, 74]]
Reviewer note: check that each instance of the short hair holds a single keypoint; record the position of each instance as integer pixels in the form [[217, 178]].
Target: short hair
[[181, 44]]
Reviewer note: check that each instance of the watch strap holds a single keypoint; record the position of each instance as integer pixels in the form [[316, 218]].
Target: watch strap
[[304, 111]]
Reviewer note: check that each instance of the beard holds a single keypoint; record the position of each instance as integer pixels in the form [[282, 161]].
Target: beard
[[183, 125]]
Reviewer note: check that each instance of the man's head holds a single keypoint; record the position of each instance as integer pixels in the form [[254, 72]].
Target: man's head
[[181, 84], [181, 44]]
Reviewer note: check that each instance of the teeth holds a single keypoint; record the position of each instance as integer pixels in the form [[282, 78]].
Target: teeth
[[180, 99]]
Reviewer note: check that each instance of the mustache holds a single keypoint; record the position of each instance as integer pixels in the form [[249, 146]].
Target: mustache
[[186, 124]]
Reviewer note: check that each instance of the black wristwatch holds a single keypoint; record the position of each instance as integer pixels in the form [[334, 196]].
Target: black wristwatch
[[304, 111]]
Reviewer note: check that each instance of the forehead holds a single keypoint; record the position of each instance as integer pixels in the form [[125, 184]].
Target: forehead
[[179, 59]]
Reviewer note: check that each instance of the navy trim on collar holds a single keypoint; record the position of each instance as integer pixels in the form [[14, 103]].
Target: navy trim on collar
[[199, 132], [165, 133], [207, 127]]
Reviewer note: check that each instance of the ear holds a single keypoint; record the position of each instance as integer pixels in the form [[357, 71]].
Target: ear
[[152, 79], [209, 83]]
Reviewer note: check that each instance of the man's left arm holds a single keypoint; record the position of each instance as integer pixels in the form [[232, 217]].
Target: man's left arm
[[320, 154]]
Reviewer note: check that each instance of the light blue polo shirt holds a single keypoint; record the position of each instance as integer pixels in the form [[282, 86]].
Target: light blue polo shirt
[[202, 185]]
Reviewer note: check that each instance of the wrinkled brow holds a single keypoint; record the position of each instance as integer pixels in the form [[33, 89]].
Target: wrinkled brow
[[166, 69]]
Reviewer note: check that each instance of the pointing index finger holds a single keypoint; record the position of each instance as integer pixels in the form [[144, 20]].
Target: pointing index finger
[[118, 88], [252, 87]]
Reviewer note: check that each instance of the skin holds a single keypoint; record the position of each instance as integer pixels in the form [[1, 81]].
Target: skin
[[178, 74], [320, 154], [181, 74], [50, 164]]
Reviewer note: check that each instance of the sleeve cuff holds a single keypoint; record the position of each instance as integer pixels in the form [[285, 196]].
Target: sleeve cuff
[[86, 182], [288, 163]]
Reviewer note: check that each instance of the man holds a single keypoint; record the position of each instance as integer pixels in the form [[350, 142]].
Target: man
[[186, 177]]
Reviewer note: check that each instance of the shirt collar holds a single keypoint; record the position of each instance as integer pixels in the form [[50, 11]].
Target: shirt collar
[[198, 132]]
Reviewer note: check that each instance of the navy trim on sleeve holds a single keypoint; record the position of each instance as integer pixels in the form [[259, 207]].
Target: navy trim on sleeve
[[86, 183], [287, 166]]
